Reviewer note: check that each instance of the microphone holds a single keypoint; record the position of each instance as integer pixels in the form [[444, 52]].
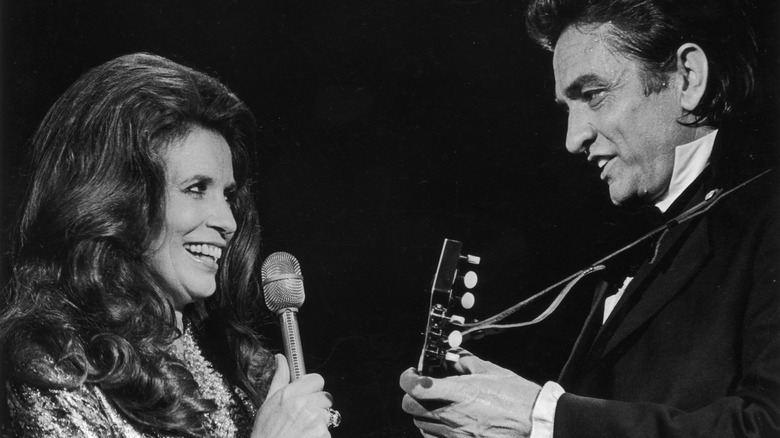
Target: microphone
[[283, 292]]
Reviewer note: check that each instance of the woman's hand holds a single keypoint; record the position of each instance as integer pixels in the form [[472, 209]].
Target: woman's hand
[[295, 410]]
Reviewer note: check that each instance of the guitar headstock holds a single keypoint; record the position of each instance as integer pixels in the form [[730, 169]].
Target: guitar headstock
[[451, 285]]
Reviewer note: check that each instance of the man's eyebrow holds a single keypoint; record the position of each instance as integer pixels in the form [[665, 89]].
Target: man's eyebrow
[[574, 90]]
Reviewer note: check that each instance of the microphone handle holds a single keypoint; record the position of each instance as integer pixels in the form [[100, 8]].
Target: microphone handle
[[288, 318]]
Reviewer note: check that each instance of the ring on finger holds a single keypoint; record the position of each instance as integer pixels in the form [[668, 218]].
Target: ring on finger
[[335, 418]]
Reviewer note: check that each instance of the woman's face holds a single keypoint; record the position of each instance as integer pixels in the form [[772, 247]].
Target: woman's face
[[199, 222]]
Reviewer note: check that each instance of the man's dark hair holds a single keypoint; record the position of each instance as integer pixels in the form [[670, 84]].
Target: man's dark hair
[[651, 31]]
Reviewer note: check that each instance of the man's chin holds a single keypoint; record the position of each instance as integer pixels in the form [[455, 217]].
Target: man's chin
[[619, 198], [628, 200], [633, 203]]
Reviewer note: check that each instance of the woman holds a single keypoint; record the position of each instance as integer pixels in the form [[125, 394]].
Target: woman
[[134, 296]]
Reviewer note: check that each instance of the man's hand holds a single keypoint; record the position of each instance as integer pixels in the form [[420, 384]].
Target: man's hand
[[485, 400]]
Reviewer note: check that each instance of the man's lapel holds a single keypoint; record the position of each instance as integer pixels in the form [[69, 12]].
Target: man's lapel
[[650, 295], [681, 253], [587, 334]]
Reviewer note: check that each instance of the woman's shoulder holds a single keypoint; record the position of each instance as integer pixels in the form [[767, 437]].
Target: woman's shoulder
[[37, 411], [36, 367], [45, 398]]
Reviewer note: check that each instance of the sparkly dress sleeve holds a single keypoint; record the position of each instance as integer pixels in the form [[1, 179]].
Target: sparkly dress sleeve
[[72, 413], [84, 411]]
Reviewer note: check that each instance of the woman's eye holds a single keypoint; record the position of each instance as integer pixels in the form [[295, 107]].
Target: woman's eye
[[198, 189], [231, 196]]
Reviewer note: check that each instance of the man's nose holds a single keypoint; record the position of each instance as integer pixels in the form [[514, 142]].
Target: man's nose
[[580, 134]]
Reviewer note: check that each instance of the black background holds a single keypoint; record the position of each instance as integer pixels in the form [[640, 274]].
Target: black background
[[385, 126]]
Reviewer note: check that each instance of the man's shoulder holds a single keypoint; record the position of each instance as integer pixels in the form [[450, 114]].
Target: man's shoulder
[[749, 212], [757, 194]]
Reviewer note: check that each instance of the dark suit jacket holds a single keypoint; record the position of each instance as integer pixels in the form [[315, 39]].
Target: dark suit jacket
[[693, 347]]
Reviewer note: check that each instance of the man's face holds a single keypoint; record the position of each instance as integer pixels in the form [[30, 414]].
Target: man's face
[[629, 135]]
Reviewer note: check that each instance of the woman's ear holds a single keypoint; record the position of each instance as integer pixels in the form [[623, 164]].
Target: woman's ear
[[692, 68]]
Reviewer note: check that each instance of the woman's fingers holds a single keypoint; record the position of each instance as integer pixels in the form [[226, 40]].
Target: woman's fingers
[[281, 376]]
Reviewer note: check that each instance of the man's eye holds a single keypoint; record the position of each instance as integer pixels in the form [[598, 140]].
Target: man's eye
[[593, 98]]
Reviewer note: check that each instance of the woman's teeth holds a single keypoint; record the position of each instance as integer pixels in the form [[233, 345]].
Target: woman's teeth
[[212, 251]]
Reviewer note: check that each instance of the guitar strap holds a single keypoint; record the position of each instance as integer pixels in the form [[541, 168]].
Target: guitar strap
[[489, 325]]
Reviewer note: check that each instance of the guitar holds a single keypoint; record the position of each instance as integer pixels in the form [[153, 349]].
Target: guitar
[[449, 288]]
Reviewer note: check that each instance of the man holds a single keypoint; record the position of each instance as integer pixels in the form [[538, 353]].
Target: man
[[688, 345]]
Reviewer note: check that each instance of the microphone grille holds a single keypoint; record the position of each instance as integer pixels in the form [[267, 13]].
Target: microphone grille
[[282, 282]]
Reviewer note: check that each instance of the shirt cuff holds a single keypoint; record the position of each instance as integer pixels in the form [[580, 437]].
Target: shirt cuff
[[543, 413]]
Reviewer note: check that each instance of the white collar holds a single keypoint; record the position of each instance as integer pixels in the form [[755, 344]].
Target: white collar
[[690, 159]]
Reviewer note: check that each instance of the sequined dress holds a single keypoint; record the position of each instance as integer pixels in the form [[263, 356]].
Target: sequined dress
[[86, 412]]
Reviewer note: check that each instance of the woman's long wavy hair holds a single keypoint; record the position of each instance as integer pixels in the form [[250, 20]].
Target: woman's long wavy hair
[[83, 292]]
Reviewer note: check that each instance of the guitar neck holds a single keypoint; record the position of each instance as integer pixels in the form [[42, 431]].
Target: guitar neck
[[447, 289]]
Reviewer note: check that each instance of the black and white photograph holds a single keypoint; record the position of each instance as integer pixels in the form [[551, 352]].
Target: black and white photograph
[[437, 218]]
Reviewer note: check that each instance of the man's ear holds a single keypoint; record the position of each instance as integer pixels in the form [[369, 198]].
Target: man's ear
[[692, 68]]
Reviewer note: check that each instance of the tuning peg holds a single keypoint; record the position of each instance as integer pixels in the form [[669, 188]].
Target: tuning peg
[[474, 260], [451, 357], [457, 319], [469, 279], [467, 300], [455, 339]]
